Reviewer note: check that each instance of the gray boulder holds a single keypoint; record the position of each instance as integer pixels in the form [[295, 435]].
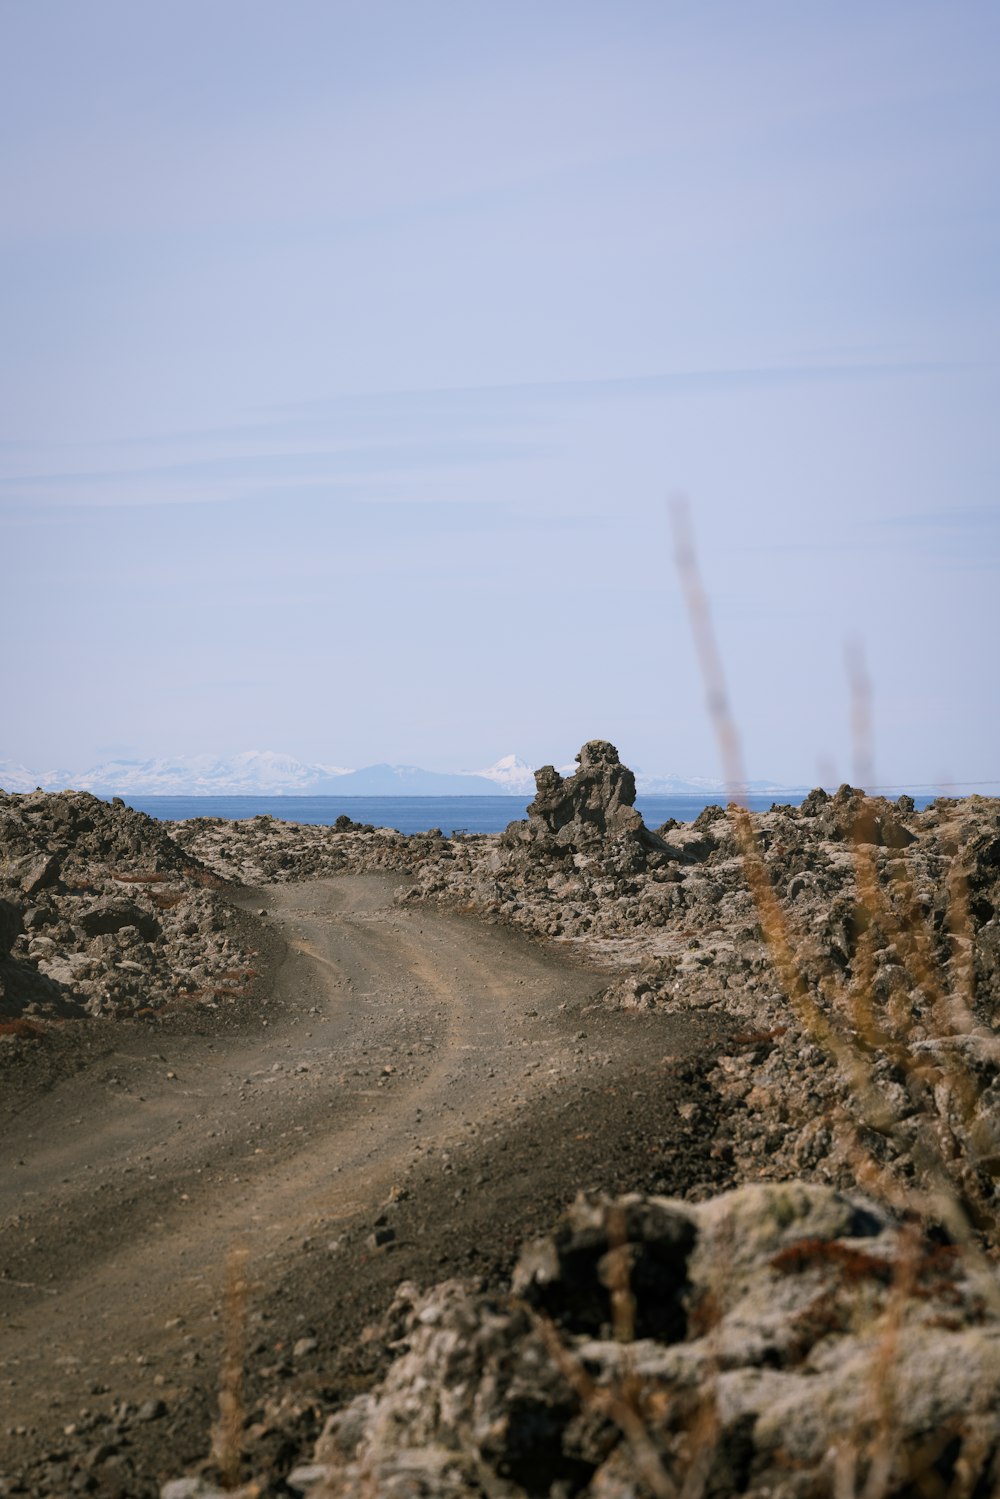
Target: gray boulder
[[37, 872]]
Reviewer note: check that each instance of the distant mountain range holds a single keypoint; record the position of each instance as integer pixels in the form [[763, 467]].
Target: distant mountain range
[[265, 773], [255, 771]]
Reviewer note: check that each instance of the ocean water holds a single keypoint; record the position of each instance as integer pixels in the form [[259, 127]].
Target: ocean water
[[415, 814]]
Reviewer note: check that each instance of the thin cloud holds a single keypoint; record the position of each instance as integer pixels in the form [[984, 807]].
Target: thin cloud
[[969, 517], [661, 382], [198, 480]]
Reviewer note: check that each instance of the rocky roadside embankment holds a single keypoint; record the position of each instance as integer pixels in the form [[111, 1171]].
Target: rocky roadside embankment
[[777, 1340], [266, 851], [103, 915]]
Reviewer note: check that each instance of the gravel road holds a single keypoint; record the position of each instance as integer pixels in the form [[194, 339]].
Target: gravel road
[[415, 1078]]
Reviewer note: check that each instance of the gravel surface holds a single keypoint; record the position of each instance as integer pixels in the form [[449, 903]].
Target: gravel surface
[[415, 1097]]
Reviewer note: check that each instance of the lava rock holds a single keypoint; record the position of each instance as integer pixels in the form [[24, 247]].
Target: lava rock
[[595, 804], [11, 926]]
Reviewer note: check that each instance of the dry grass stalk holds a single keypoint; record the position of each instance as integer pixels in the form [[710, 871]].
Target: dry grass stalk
[[635, 1412], [227, 1436], [882, 1446], [769, 911], [619, 1276], [950, 1011], [848, 1028], [861, 714], [637, 1417], [613, 1405], [855, 1034]]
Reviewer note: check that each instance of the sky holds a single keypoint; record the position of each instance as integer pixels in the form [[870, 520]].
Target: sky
[[350, 354]]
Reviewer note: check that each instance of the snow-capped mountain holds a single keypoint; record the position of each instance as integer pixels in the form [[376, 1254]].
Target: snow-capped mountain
[[698, 785], [510, 775], [14, 777], [251, 773], [515, 776], [267, 773]]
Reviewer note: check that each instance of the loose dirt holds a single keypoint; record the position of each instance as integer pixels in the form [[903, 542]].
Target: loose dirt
[[414, 1092]]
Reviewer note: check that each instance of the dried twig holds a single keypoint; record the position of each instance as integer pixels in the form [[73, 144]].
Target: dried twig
[[611, 1404], [227, 1436], [619, 1275]]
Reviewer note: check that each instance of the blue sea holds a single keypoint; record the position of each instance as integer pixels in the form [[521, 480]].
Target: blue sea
[[415, 814]]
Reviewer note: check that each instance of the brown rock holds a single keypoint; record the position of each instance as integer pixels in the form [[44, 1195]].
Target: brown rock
[[595, 804]]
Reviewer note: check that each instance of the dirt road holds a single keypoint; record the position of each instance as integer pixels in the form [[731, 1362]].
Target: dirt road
[[416, 1078]]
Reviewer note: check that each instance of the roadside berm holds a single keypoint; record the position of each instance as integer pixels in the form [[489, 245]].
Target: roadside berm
[[782, 1340]]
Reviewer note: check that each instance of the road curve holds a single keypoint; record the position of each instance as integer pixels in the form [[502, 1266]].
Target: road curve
[[394, 1032]]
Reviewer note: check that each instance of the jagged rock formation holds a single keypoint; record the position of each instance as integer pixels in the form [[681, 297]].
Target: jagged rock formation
[[586, 809], [786, 1339]]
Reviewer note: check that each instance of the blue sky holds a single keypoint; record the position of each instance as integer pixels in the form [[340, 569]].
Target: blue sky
[[351, 351]]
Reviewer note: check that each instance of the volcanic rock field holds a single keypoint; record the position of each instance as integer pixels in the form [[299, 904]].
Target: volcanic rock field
[[585, 1158]]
